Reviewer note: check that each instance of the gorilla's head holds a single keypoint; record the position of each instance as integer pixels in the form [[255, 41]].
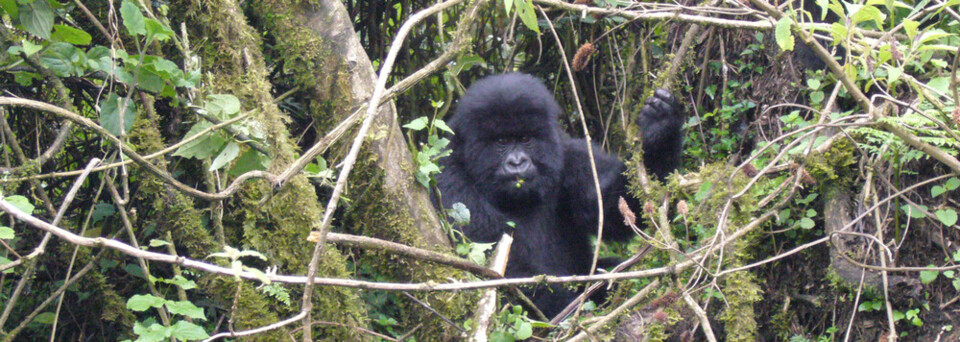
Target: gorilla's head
[[507, 139]]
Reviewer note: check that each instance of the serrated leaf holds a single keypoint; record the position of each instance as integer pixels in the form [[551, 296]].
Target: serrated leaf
[[187, 331], [947, 216], [6, 233], [70, 35], [783, 35], [132, 18], [144, 302], [185, 308], [417, 124], [37, 18], [442, 126], [21, 203], [110, 113], [228, 154]]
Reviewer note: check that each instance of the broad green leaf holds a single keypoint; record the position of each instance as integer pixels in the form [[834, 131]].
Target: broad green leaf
[[187, 331], [869, 13], [6, 233], [223, 106], [112, 109], [525, 331], [249, 161], [528, 15], [838, 32], [154, 333], [952, 183], [185, 308], [63, 59], [21, 203], [132, 18], [937, 191], [806, 223], [228, 154], [203, 147], [29, 48], [927, 277], [157, 30], [70, 35], [508, 4], [10, 6], [44, 318], [418, 123], [158, 243], [893, 74], [144, 302], [947, 216], [910, 27], [442, 126], [37, 18], [183, 283], [913, 211], [459, 214], [4, 261], [782, 34]]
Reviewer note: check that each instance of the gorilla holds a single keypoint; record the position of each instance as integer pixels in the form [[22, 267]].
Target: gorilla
[[512, 163]]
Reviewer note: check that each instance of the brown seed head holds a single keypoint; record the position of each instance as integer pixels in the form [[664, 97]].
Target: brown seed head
[[649, 208], [661, 316], [629, 218], [682, 207], [582, 57]]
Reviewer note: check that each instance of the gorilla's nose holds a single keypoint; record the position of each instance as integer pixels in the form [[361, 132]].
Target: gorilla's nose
[[517, 163]]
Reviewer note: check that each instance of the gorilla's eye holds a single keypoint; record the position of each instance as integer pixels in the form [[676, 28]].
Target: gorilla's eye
[[502, 141], [524, 139]]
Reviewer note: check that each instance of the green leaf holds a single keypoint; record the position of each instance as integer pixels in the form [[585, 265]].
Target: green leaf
[[442, 126], [132, 18], [813, 83], [154, 333], [157, 30], [911, 27], [525, 331], [185, 308], [508, 4], [21, 203], [703, 191], [37, 18], [782, 34], [417, 124], [250, 160], [528, 15], [44, 318], [158, 243], [500, 336], [187, 331], [806, 223], [914, 211], [70, 35], [10, 6], [144, 302], [29, 48], [927, 277], [869, 13], [838, 32], [937, 190], [223, 106], [947, 216], [204, 147], [893, 74], [183, 283], [952, 183], [111, 111], [63, 59], [6, 233], [4, 261], [459, 214], [228, 154]]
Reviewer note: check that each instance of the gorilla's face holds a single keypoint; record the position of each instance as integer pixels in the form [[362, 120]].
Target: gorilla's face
[[507, 140]]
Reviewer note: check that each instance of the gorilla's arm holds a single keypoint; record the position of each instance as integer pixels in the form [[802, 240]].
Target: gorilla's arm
[[660, 122]]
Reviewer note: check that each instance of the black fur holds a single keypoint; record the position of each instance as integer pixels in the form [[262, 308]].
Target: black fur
[[512, 117]]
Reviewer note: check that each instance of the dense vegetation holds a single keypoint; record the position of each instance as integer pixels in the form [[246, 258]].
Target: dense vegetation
[[184, 169]]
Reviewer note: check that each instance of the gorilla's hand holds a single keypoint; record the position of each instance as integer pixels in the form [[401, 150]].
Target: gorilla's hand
[[661, 106]]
